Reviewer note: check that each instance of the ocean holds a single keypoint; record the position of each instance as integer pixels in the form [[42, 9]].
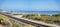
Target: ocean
[[38, 12]]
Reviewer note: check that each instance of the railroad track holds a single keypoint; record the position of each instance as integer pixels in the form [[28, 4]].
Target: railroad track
[[29, 22]]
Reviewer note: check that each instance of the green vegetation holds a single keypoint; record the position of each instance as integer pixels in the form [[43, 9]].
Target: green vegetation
[[56, 15], [16, 25], [29, 26], [46, 18], [4, 20]]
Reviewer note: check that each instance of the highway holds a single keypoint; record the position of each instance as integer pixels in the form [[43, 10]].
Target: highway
[[32, 22]]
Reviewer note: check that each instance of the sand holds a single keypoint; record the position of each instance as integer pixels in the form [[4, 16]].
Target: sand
[[1, 25]]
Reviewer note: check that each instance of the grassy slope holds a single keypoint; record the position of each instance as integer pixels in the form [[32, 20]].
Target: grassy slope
[[48, 19], [5, 18]]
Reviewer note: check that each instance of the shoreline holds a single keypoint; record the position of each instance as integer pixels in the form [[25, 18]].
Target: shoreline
[[35, 13]]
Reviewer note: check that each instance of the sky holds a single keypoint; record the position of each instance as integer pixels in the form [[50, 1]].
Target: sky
[[30, 5]]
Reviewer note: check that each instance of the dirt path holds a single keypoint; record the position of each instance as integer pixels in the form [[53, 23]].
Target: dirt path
[[1, 25]]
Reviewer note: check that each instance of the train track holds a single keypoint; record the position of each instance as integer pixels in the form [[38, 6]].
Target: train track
[[29, 22]]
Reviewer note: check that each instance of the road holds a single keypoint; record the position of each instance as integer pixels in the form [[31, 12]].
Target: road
[[32, 22]]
